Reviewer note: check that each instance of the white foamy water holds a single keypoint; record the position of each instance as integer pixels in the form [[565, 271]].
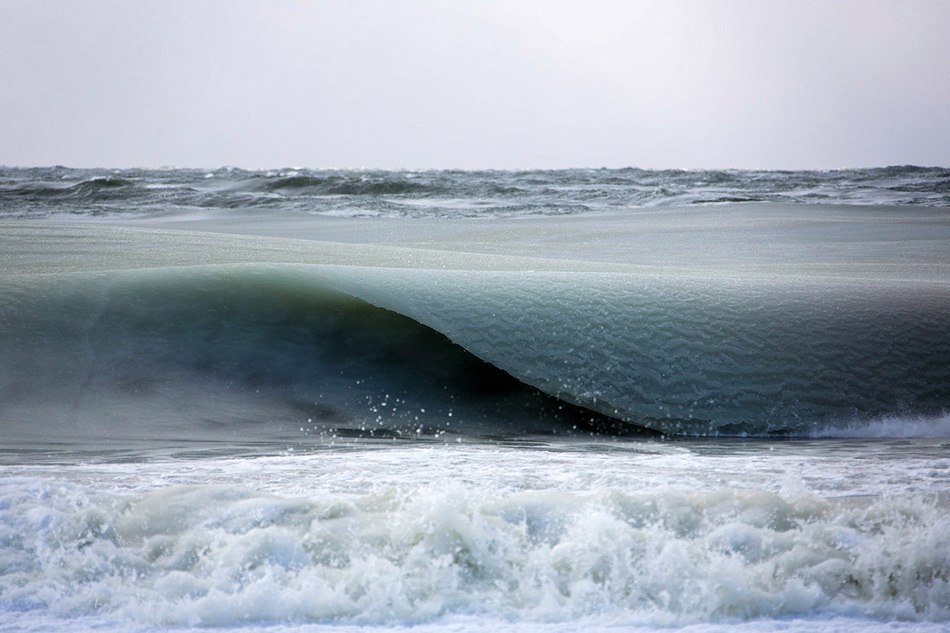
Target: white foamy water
[[832, 535]]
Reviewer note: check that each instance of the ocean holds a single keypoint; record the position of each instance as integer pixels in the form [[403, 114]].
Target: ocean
[[450, 401]]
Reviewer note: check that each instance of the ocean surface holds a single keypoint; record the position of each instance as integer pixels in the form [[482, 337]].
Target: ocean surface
[[448, 401]]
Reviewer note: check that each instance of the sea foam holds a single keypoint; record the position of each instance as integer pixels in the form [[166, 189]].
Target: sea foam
[[222, 555]]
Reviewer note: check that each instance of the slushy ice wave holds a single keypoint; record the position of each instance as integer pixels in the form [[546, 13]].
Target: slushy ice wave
[[311, 348], [221, 555]]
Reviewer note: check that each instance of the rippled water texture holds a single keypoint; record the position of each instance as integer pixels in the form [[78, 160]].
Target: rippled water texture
[[40, 192]]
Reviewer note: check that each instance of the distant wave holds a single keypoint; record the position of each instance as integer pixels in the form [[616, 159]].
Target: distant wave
[[86, 189], [59, 190], [350, 186]]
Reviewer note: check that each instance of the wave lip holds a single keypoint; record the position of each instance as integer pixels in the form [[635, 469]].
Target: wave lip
[[92, 189]]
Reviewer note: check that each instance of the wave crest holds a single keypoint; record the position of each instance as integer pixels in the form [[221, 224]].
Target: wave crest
[[355, 185]]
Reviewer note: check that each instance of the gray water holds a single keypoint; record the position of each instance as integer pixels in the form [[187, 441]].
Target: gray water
[[538, 401], [41, 192]]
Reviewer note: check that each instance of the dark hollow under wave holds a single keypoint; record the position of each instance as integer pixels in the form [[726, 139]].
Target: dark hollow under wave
[[245, 356]]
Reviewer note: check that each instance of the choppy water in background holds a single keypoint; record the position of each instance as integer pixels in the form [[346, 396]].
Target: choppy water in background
[[274, 400], [38, 192]]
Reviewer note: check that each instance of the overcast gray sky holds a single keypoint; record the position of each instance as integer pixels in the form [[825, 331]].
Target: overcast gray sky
[[416, 84]]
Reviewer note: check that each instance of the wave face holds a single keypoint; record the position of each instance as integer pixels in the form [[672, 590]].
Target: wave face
[[42, 192], [268, 351], [685, 356]]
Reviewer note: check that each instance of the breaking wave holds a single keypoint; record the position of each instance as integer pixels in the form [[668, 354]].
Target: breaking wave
[[352, 186], [269, 351], [248, 355]]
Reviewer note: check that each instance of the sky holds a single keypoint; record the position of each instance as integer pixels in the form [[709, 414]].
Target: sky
[[453, 84]]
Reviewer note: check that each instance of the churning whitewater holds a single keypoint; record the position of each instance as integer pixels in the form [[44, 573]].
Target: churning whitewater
[[452, 400], [659, 534]]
